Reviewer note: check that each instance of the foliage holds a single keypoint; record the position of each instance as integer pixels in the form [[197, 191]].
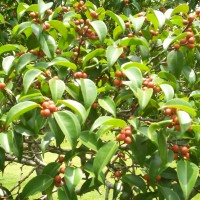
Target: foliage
[[75, 71]]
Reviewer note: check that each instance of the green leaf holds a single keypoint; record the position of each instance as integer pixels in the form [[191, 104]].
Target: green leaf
[[57, 88], [20, 109], [175, 61], [108, 104], [99, 121], [89, 92], [182, 8], [134, 180], [42, 7], [133, 74], [48, 45], [100, 28], [115, 122], [62, 62], [36, 185], [29, 77], [2, 18], [168, 91], [112, 54], [11, 47], [134, 41], [195, 94], [184, 120], [7, 64], [18, 29], [117, 19], [189, 74], [24, 60], [180, 104], [21, 8], [104, 156], [92, 54], [168, 193], [2, 159], [60, 27], [160, 17], [144, 97], [137, 22], [187, 175], [51, 169], [75, 106], [69, 125]]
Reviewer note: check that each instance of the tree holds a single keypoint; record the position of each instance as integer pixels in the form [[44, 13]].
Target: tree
[[74, 71]]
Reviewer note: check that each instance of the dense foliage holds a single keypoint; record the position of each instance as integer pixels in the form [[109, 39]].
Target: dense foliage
[[113, 83]]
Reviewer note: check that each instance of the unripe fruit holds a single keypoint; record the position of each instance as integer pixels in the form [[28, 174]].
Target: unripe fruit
[[128, 140], [184, 150], [158, 178], [120, 137], [2, 86], [175, 148]]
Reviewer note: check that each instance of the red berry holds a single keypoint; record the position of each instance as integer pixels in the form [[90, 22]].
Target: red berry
[[184, 150], [120, 137], [146, 177], [53, 108], [93, 14], [2, 86], [158, 177], [175, 156], [150, 85], [190, 46], [156, 89], [118, 74], [185, 22], [61, 159], [62, 170], [57, 179], [187, 156], [32, 14], [45, 113], [191, 17], [117, 82], [128, 140], [117, 173], [45, 104], [168, 111], [128, 133], [177, 127], [175, 119], [176, 46], [84, 75], [191, 40], [175, 148]]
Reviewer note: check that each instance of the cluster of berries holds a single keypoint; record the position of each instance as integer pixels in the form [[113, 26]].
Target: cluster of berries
[[125, 135], [180, 151], [119, 79], [48, 107], [148, 83]]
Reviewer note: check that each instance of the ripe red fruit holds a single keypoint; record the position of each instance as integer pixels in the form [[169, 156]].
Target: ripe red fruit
[[84, 75], [177, 127], [53, 108], [168, 111], [118, 74], [61, 159], [190, 46], [184, 150], [191, 17], [45, 113], [120, 137], [117, 173], [94, 105], [146, 177], [127, 24], [128, 140], [117, 82], [93, 14], [191, 40], [128, 133], [32, 14], [175, 148], [150, 84], [177, 46], [158, 177], [65, 9], [49, 11], [185, 22], [175, 119], [81, 3], [45, 104], [175, 156], [2, 86], [189, 35], [183, 41], [78, 75], [187, 156], [156, 89], [57, 179], [58, 51], [62, 170]]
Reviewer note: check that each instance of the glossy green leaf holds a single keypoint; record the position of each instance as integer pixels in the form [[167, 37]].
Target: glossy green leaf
[[60, 27], [21, 8], [104, 156], [18, 29], [2, 18], [42, 7], [24, 60], [137, 22], [189, 74], [133, 74], [182, 8], [99, 121], [140, 66], [134, 41], [144, 97], [195, 94], [57, 88], [184, 120], [75, 106], [168, 91], [168, 193], [108, 104], [89, 92], [100, 28], [180, 104], [187, 175], [59, 61], [70, 126], [11, 47], [7, 63], [36, 185], [2, 159], [29, 77], [117, 19], [62, 194], [20, 109], [92, 54], [160, 17], [51, 169], [115, 122], [112, 54], [48, 45]]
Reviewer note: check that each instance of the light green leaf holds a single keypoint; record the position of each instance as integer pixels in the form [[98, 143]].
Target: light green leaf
[[70, 126], [182, 8], [24, 60], [134, 41], [42, 7], [7, 64], [180, 104], [100, 28], [144, 97], [21, 8], [112, 54], [140, 66], [161, 18], [187, 175], [11, 47], [195, 94], [2, 18], [168, 91], [117, 19], [20, 109], [184, 120], [57, 88], [168, 193], [75, 106], [36, 185], [137, 22], [104, 156], [29, 77], [99, 121], [189, 74], [108, 104], [18, 29], [62, 62], [89, 92]]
